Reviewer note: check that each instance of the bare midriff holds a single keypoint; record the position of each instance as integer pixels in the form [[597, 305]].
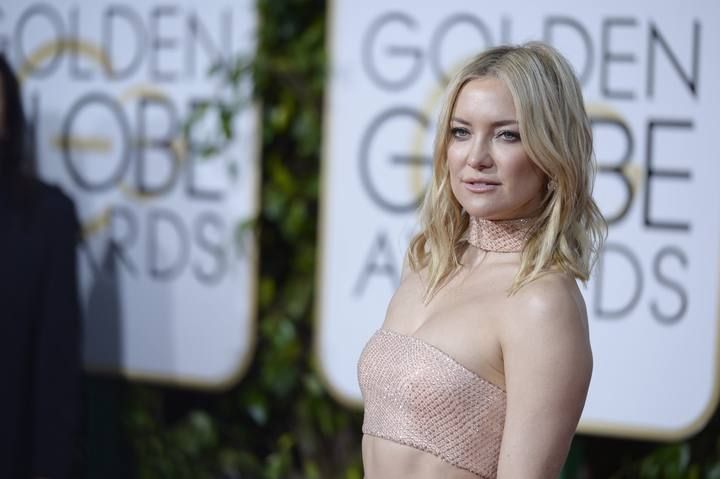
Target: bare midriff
[[384, 459]]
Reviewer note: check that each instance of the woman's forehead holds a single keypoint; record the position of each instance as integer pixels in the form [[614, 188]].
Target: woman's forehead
[[485, 96]]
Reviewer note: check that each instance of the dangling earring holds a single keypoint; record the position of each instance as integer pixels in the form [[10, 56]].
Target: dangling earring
[[551, 185]]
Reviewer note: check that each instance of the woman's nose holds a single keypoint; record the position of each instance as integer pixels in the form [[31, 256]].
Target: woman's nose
[[479, 156]]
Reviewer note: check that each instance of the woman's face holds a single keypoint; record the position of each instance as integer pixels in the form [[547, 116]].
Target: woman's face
[[491, 176]]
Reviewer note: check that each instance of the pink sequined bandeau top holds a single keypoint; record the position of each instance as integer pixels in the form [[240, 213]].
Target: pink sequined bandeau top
[[417, 395]]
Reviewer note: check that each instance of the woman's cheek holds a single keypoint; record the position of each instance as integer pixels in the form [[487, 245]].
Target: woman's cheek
[[456, 152]]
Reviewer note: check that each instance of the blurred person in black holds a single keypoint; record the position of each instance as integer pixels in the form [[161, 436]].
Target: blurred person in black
[[40, 358]]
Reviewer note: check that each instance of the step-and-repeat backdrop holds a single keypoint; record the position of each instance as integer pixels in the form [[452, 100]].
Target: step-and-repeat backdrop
[[649, 72], [167, 285]]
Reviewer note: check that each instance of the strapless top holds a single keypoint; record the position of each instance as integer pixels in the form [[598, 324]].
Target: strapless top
[[419, 396]]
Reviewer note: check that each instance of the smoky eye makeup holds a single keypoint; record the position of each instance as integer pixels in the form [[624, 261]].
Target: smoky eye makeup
[[508, 135], [459, 132]]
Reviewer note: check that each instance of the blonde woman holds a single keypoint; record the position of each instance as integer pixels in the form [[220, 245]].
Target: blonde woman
[[483, 362]]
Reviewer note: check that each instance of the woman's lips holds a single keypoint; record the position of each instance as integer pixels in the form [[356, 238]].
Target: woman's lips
[[480, 186]]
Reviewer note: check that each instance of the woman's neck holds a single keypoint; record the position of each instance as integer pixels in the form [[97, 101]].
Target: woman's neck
[[498, 236]]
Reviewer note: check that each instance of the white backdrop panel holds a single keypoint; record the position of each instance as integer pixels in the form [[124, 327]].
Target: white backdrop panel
[[167, 291], [648, 72]]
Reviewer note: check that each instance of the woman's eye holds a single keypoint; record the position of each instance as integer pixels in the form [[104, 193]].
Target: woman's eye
[[509, 135], [459, 133]]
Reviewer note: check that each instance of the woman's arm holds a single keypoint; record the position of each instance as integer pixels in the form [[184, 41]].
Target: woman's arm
[[548, 364]]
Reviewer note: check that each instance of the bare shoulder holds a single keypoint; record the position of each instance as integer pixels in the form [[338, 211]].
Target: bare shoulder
[[551, 308], [553, 297], [548, 365], [406, 302], [406, 268]]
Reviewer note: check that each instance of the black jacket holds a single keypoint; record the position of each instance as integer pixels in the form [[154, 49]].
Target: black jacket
[[40, 357]]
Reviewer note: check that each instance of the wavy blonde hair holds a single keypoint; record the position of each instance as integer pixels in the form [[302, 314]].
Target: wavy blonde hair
[[555, 130]]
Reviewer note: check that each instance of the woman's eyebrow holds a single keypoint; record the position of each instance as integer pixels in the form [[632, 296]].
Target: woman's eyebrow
[[494, 124], [460, 120], [504, 123]]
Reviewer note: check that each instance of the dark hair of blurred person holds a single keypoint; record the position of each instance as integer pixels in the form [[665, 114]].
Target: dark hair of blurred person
[[14, 152], [39, 311]]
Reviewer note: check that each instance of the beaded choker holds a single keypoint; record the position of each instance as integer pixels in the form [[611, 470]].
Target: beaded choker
[[504, 236]]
